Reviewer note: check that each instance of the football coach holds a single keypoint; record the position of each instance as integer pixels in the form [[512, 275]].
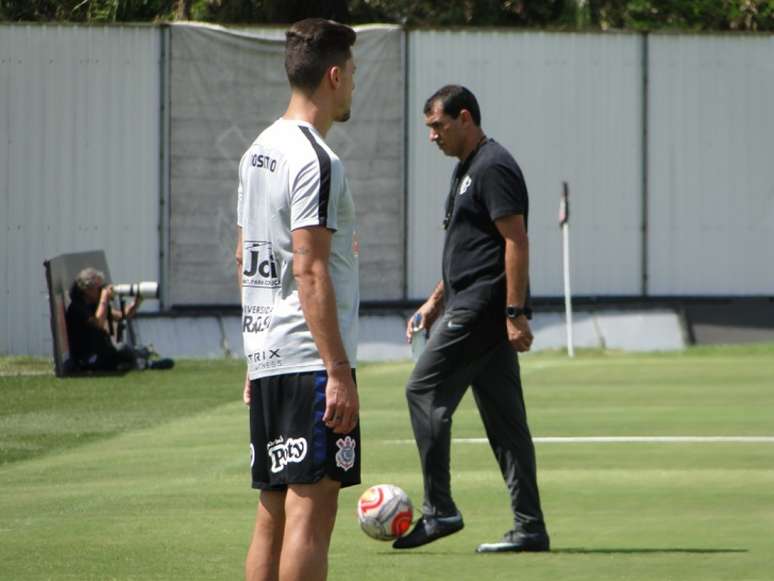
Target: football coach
[[484, 298]]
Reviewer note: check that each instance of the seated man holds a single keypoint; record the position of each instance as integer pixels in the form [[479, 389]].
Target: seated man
[[90, 323]]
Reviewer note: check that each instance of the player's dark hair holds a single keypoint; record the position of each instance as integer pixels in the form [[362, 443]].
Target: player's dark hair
[[312, 46], [455, 98]]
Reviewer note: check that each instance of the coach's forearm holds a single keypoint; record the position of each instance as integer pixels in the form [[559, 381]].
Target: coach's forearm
[[435, 301], [436, 297], [516, 270], [318, 302]]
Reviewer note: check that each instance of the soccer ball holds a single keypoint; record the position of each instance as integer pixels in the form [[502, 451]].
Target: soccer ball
[[384, 512]]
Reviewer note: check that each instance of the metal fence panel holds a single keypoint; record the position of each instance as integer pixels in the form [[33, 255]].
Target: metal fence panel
[[227, 86], [569, 107], [711, 143], [79, 118]]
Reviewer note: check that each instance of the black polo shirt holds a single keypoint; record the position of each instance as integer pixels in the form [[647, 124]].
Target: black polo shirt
[[486, 186]]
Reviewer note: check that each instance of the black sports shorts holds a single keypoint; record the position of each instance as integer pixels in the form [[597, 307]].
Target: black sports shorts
[[289, 443]]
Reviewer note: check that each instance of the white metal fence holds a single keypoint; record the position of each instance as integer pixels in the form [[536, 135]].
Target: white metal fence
[[81, 166], [79, 161], [568, 106], [711, 165]]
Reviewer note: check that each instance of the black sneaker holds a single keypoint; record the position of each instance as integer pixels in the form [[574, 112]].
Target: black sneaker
[[517, 542], [429, 529], [161, 364]]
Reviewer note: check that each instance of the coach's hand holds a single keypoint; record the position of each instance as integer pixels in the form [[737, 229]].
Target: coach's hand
[[341, 401], [519, 333], [427, 314]]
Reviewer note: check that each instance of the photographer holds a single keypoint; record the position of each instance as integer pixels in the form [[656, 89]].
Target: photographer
[[91, 324]]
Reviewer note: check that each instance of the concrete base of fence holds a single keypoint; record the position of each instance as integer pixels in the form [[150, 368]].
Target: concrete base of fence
[[382, 336]]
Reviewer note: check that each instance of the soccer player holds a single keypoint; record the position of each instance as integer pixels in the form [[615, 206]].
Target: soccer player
[[298, 267], [485, 295]]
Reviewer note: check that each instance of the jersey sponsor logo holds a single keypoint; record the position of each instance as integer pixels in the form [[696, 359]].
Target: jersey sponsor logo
[[466, 182], [255, 323], [266, 359], [282, 452], [260, 266], [345, 457], [263, 162], [257, 309]]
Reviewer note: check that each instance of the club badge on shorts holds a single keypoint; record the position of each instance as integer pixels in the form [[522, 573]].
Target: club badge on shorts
[[345, 457]]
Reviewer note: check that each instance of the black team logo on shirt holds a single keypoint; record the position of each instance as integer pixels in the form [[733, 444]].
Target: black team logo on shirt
[[260, 267]]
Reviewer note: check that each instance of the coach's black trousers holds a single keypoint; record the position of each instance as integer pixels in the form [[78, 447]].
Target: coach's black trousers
[[461, 352]]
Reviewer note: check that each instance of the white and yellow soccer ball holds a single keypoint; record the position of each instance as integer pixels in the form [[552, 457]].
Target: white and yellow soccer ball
[[385, 512]]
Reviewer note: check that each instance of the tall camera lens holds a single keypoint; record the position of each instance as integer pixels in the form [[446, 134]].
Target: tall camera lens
[[145, 289]]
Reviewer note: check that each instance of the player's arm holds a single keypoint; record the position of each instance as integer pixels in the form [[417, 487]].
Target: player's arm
[[514, 232], [311, 251], [238, 257], [427, 313], [238, 260]]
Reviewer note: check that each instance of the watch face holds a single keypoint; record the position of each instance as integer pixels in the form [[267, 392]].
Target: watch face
[[515, 312]]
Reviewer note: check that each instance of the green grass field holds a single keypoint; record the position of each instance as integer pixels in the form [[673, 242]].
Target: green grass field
[[145, 476]]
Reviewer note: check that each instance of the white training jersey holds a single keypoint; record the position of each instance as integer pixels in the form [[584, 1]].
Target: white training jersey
[[288, 179]]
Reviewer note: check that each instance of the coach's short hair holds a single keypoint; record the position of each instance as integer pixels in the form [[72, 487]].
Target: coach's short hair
[[312, 46], [455, 98]]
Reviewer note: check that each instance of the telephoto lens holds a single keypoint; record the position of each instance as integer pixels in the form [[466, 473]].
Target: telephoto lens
[[145, 289]]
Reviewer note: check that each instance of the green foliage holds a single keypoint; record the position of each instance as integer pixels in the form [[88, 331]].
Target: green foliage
[[463, 12], [86, 10], [698, 15], [268, 11], [703, 15]]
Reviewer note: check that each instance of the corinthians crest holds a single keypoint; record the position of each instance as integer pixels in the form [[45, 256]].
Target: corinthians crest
[[345, 457]]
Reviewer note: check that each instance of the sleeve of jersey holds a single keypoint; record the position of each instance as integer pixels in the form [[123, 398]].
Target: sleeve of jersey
[[240, 194], [314, 195], [503, 191], [239, 204]]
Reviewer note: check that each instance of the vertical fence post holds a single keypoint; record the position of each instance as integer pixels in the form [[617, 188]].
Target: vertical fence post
[[564, 224], [645, 185]]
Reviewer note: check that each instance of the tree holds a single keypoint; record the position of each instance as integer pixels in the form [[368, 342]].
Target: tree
[[702, 15]]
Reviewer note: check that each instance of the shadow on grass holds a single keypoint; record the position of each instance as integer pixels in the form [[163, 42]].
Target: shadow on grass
[[582, 551]]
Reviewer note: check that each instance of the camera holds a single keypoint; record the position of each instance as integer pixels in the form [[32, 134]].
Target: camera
[[145, 289]]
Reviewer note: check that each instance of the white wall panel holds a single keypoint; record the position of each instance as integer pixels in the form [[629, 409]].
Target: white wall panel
[[711, 165], [568, 106], [79, 161], [225, 88]]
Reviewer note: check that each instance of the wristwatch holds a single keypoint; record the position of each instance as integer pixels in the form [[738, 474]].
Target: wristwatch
[[514, 312]]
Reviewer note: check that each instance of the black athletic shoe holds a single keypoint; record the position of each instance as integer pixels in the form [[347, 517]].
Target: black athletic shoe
[[429, 529], [517, 542], [161, 364]]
